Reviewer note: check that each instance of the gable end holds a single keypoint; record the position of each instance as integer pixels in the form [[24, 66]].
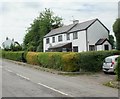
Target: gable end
[[100, 23]]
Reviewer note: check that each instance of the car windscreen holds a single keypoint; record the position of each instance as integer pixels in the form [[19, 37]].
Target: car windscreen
[[108, 60]]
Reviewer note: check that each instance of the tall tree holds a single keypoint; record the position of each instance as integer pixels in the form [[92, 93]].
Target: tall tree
[[39, 28], [111, 39], [116, 30]]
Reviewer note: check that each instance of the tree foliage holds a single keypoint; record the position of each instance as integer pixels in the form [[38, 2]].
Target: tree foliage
[[42, 25], [116, 30], [111, 39]]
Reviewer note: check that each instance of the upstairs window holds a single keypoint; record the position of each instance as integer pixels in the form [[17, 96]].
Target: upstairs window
[[47, 41], [60, 38], [53, 39], [68, 36], [75, 35]]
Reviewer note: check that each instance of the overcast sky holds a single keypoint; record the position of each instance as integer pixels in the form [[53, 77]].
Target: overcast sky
[[16, 17]]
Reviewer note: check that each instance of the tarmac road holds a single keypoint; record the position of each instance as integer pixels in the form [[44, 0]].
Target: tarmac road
[[21, 81]]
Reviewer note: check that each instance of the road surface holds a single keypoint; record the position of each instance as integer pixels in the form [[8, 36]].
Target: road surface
[[21, 81]]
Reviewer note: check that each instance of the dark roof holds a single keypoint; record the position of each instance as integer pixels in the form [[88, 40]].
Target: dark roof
[[59, 45], [82, 26], [101, 41], [60, 30], [73, 28]]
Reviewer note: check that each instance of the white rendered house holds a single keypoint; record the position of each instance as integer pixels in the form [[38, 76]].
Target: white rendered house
[[7, 43], [90, 35]]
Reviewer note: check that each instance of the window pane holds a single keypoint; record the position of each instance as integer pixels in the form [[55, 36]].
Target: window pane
[[59, 38], [108, 60], [53, 39], [47, 40], [75, 49], [68, 36], [91, 48], [106, 47], [75, 35]]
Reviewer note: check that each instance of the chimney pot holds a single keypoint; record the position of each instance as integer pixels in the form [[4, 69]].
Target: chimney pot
[[75, 21]]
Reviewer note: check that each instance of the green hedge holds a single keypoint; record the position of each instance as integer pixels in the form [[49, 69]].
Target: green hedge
[[64, 61], [32, 58], [17, 56], [0, 53], [93, 61], [118, 69], [51, 60]]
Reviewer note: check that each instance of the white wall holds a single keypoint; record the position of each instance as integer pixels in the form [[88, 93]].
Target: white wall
[[8, 43], [81, 41], [95, 32], [64, 40], [101, 47], [106, 42]]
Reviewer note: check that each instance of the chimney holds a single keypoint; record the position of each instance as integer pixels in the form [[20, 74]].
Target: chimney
[[75, 21], [6, 38], [13, 39]]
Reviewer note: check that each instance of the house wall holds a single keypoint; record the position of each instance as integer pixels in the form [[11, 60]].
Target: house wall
[[95, 32], [7, 43], [101, 47], [106, 42], [64, 40], [80, 42]]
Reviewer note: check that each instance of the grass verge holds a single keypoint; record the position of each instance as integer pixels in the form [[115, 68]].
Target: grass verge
[[113, 84]]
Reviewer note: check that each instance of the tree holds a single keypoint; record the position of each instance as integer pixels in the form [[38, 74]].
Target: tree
[[116, 30], [39, 28], [111, 39], [15, 47]]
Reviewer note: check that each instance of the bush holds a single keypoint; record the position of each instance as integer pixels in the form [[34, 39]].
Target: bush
[[51, 60], [70, 63], [0, 53], [17, 56], [92, 61], [32, 58], [118, 69], [64, 61]]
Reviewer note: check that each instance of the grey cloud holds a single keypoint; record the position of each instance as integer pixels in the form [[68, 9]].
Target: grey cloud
[[33, 5], [119, 9]]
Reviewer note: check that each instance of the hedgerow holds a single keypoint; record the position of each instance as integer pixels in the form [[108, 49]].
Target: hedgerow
[[118, 69], [17, 56], [32, 58], [92, 61], [63, 61]]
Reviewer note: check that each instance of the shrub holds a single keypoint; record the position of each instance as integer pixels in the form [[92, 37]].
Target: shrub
[[118, 69], [70, 62], [24, 54], [17, 56], [51, 60], [32, 58], [92, 61], [64, 61], [0, 53]]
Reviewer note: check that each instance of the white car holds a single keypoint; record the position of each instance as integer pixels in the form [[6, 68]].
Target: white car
[[110, 63]]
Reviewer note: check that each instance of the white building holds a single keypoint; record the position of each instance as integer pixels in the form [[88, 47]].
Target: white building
[[7, 43], [91, 35]]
